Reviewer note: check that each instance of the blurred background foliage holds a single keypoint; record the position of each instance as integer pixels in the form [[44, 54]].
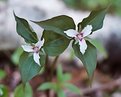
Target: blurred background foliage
[[95, 4]]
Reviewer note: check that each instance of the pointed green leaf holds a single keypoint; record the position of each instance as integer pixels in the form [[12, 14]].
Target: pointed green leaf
[[55, 44], [99, 45], [95, 19], [28, 67], [23, 91], [47, 85], [24, 30], [66, 77], [59, 73], [61, 93], [72, 88], [42, 58], [89, 59], [16, 55], [57, 24], [62, 78]]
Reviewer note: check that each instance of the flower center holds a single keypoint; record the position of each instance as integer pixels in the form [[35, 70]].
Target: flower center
[[80, 36], [36, 49]]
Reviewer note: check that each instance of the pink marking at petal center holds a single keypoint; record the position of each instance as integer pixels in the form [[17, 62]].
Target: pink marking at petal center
[[80, 36], [36, 49]]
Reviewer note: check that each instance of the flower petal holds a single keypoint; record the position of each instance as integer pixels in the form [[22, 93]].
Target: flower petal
[[27, 48], [36, 58], [87, 30], [40, 43], [83, 46], [71, 33]]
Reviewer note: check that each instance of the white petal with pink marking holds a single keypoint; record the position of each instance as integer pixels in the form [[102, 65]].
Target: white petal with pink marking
[[36, 58], [40, 43], [71, 33], [83, 46], [27, 48], [87, 30]]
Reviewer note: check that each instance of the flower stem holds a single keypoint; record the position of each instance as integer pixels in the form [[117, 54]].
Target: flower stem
[[46, 75], [53, 67], [49, 69]]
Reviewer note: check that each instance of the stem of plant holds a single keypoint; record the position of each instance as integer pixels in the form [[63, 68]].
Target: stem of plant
[[53, 67], [46, 74], [50, 70]]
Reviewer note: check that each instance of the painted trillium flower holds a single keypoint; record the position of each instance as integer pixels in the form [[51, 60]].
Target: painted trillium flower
[[80, 37], [34, 49]]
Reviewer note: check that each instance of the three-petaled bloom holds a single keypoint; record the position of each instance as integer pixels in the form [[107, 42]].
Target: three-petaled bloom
[[80, 37], [34, 49]]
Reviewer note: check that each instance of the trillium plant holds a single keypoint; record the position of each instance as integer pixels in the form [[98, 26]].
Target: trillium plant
[[58, 33]]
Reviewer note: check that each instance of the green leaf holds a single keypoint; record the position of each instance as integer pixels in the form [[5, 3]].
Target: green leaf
[[55, 44], [89, 59], [16, 55], [62, 77], [48, 85], [95, 19], [59, 73], [24, 30], [57, 24], [2, 74], [98, 44], [4, 91], [28, 67], [72, 88], [23, 91], [66, 77], [61, 93], [42, 58]]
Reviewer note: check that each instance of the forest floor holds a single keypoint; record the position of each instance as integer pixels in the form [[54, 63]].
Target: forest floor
[[104, 84]]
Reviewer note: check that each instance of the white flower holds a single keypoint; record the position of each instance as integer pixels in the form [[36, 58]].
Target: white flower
[[34, 49], [79, 37]]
